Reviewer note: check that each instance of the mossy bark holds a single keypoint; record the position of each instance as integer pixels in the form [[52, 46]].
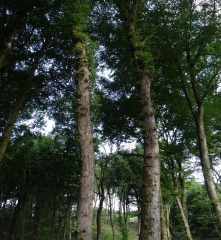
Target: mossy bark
[[86, 185], [150, 199]]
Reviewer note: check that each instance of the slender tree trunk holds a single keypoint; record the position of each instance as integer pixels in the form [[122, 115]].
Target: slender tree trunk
[[24, 217], [100, 208], [206, 166], [164, 235], [150, 199], [59, 225], [39, 205], [18, 207], [184, 218], [178, 179], [168, 207], [111, 213], [4, 139], [198, 114], [14, 222], [70, 227], [86, 185], [65, 223]]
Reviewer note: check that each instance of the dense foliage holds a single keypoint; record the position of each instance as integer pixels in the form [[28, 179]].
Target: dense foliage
[[176, 44]]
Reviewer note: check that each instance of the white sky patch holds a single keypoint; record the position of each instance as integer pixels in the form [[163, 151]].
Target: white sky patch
[[108, 148], [49, 126]]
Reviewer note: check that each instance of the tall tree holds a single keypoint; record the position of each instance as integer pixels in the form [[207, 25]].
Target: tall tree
[[150, 199], [194, 49], [29, 61], [76, 12]]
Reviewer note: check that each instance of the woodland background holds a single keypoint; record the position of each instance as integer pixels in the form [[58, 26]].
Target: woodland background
[[179, 41]]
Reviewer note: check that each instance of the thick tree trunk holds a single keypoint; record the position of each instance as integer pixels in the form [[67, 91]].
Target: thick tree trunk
[[86, 187], [150, 196], [150, 200]]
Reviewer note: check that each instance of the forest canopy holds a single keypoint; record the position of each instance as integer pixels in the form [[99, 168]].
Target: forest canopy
[[145, 74]]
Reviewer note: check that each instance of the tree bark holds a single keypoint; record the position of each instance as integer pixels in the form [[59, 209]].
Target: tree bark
[[111, 213], [198, 114], [100, 208], [150, 202], [196, 107], [184, 218], [206, 166], [10, 39], [164, 232], [168, 207], [86, 185], [150, 197], [4, 139]]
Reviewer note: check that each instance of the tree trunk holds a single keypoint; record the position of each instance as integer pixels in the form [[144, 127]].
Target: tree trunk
[[206, 166], [10, 39], [99, 211], [65, 223], [4, 139], [150, 200], [24, 217], [86, 192], [184, 218], [198, 114], [150, 196], [14, 222], [38, 207], [111, 213], [168, 207], [70, 227], [86, 185], [164, 232]]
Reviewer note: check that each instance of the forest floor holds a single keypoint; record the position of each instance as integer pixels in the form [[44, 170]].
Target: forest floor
[[107, 231]]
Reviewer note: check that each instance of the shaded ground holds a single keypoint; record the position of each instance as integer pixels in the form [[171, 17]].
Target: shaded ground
[[107, 231]]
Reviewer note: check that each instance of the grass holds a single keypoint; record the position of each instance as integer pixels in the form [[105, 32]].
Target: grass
[[106, 233]]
